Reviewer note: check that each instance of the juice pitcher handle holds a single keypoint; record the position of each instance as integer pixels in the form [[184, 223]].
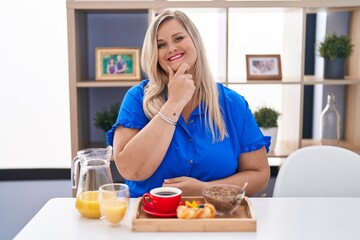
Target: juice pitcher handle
[[74, 171]]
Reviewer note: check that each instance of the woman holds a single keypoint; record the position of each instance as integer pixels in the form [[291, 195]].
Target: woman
[[110, 68], [180, 128]]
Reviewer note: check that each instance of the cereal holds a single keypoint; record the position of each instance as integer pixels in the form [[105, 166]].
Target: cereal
[[225, 198]]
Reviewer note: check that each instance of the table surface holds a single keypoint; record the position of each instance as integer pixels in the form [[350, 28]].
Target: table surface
[[277, 218]]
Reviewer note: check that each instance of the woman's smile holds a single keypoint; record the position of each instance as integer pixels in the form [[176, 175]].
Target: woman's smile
[[176, 57]]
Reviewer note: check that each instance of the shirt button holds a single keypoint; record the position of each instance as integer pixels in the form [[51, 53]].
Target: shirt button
[[191, 121], [190, 161], [190, 139]]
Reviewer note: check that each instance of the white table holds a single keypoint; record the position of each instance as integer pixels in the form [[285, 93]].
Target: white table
[[277, 218]]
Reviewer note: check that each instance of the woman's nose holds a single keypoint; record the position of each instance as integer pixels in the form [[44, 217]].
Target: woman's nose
[[172, 47]]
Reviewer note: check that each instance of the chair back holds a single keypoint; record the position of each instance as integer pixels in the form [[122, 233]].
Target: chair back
[[319, 171]]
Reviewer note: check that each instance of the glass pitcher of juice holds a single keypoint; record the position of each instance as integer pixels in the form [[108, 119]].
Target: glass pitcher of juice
[[94, 171]]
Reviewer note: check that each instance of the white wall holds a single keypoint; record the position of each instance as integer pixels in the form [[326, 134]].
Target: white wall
[[34, 95]]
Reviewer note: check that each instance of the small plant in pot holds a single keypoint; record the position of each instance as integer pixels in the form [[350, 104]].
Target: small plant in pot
[[335, 50], [105, 118], [267, 119]]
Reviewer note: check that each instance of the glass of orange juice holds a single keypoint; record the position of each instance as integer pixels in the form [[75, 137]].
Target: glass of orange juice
[[114, 202]]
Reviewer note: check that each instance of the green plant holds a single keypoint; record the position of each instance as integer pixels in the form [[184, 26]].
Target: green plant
[[266, 117], [334, 47], [105, 118]]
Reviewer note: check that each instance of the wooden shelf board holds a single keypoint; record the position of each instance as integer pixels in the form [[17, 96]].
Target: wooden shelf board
[[312, 80], [283, 149], [279, 82], [313, 5], [87, 84], [341, 143], [276, 161]]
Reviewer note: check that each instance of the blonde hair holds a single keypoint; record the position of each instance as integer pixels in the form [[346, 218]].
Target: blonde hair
[[156, 89]]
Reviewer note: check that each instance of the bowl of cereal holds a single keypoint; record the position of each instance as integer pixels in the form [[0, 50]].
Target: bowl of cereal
[[225, 198]]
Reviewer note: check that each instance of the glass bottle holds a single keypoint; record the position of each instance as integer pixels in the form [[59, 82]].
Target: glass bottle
[[330, 122]]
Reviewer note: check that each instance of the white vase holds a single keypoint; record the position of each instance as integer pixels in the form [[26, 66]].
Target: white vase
[[272, 132]]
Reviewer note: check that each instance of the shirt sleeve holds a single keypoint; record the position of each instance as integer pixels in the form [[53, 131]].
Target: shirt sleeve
[[251, 136], [247, 132], [131, 113]]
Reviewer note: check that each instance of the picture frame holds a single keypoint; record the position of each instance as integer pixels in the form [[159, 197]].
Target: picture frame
[[117, 63], [263, 67]]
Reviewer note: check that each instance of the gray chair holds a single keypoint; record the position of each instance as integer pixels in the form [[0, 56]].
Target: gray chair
[[319, 171]]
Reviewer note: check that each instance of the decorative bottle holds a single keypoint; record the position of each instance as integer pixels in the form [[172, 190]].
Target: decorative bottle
[[330, 122]]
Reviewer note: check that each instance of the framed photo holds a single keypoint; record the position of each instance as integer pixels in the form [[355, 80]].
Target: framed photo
[[117, 64], [263, 67]]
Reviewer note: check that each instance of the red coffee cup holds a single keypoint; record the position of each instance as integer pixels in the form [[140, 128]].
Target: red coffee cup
[[163, 199]]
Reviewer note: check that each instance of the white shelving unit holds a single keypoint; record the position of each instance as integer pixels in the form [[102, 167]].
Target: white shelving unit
[[83, 86]]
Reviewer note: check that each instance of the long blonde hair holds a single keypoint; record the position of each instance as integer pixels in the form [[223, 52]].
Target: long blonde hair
[[206, 87]]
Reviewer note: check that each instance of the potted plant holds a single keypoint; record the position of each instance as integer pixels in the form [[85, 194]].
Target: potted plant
[[105, 118], [335, 49], [267, 119]]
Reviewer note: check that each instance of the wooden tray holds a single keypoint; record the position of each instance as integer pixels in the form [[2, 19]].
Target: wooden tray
[[242, 220]]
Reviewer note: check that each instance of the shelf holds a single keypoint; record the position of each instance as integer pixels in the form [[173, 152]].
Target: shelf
[[279, 82], [88, 22], [343, 144], [350, 7], [312, 80], [308, 80], [283, 149], [90, 84], [111, 5], [276, 161]]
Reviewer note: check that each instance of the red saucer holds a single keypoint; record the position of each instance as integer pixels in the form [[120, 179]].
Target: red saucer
[[153, 212]]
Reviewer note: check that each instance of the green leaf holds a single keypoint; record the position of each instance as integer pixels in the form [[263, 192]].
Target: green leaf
[[105, 118], [333, 47], [266, 117]]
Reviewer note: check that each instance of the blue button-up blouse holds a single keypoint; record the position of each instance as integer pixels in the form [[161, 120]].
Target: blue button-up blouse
[[192, 151]]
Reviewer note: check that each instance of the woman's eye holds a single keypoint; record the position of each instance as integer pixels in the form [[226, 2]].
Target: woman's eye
[[161, 45], [179, 38]]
